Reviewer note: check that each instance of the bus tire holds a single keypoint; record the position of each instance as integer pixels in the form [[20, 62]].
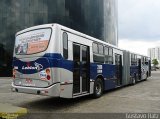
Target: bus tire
[[98, 88]]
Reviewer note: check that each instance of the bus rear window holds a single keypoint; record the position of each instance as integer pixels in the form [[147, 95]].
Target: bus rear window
[[32, 42]]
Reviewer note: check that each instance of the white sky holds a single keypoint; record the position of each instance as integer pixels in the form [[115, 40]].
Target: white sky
[[137, 46], [139, 24]]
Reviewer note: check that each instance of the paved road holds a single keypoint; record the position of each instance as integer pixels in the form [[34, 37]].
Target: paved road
[[142, 98]]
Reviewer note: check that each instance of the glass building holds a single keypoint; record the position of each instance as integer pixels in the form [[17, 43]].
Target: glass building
[[97, 18]]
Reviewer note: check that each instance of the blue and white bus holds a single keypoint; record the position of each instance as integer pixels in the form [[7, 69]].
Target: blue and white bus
[[57, 61]]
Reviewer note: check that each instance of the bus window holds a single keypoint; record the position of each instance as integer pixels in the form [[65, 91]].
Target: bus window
[[98, 55], [133, 60], [106, 51], [32, 42], [65, 45], [95, 48], [109, 55], [146, 61], [110, 52], [143, 60], [101, 49]]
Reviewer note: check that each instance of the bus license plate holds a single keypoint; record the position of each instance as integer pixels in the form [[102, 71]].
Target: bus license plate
[[28, 82]]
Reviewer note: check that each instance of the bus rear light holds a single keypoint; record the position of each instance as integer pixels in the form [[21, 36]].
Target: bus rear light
[[48, 77], [13, 71], [14, 76], [48, 71]]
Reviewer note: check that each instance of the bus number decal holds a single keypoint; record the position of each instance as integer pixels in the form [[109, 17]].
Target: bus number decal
[[99, 68]]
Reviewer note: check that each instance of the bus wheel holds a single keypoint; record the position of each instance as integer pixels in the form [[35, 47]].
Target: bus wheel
[[98, 88]]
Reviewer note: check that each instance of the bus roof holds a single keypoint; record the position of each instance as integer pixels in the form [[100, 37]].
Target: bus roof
[[74, 32], [86, 36]]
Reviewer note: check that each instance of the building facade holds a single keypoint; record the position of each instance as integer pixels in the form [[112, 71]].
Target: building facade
[[97, 18], [154, 53]]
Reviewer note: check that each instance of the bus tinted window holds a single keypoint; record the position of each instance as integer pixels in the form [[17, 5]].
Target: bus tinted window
[[98, 53], [95, 48], [109, 59], [133, 59], [106, 51], [98, 58], [31, 42], [110, 52], [65, 45], [109, 56], [100, 47], [146, 61]]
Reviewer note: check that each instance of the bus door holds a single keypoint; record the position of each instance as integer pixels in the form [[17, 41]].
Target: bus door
[[139, 69], [118, 63], [81, 69]]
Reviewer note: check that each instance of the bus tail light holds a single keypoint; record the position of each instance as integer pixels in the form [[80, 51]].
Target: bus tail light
[[48, 77], [14, 73], [48, 71], [48, 74]]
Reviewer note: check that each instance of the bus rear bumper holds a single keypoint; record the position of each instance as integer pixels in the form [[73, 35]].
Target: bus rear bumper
[[53, 90]]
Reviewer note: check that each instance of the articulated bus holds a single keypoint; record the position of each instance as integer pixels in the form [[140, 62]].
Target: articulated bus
[[54, 60]]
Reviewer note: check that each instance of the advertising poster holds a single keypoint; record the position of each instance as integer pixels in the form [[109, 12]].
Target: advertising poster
[[32, 42]]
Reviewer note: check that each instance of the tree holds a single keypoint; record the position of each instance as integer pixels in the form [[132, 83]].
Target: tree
[[155, 62]]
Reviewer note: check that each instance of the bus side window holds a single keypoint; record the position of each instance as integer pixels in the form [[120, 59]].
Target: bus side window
[[136, 61], [106, 51], [143, 60], [98, 53], [133, 60], [101, 49], [146, 61], [65, 45], [95, 48], [108, 55]]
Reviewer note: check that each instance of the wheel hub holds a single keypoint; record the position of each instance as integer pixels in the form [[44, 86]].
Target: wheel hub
[[98, 89]]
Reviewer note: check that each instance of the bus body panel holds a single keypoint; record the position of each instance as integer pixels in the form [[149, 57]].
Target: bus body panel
[[53, 90], [126, 68], [30, 70]]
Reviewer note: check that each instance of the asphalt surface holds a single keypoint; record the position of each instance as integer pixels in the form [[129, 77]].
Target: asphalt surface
[[144, 97]]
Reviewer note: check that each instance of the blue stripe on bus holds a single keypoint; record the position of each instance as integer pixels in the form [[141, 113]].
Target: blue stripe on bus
[[57, 61], [109, 84], [47, 61], [108, 72]]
